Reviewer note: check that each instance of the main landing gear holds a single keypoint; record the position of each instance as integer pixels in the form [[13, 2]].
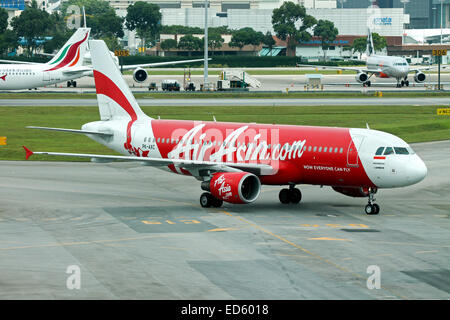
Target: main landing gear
[[402, 83], [71, 83], [291, 195], [207, 200], [372, 208]]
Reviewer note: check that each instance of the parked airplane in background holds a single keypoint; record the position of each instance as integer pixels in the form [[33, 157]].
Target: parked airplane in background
[[71, 62], [383, 67], [233, 160]]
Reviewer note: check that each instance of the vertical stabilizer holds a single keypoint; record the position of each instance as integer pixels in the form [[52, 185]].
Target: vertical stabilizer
[[370, 50], [115, 100], [72, 53]]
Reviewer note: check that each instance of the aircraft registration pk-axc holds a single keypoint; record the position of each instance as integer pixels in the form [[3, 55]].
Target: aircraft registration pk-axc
[[233, 160], [71, 62]]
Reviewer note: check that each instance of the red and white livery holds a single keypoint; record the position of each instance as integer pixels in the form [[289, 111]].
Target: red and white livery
[[233, 160]]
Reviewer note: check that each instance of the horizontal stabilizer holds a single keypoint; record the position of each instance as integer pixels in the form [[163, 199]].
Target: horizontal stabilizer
[[106, 134]]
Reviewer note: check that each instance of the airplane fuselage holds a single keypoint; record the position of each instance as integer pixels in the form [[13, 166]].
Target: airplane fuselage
[[391, 67], [339, 157], [27, 76]]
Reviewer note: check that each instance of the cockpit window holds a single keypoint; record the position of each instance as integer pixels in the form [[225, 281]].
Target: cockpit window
[[399, 150], [388, 151], [379, 151]]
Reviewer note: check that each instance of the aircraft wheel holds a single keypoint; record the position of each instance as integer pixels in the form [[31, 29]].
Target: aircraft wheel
[[372, 209], [377, 208], [284, 196], [69, 84], [74, 83], [407, 83], [369, 83], [295, 195], [402, 83], [206, 200]]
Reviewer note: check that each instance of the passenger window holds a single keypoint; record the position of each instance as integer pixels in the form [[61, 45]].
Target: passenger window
[[401, 150], [309, 148], [315, 149], [341, 150], [388, 151], [320, 149], [325, 149], [330, 149], [335, 150]]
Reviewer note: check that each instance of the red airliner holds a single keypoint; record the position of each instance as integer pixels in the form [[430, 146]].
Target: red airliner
[[232, 160]]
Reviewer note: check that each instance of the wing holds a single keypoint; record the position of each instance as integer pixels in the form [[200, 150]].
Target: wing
[[357, 70], [428, 68], [18, 62], [77, 71], [158, 64], [105, 134], [196, 168]]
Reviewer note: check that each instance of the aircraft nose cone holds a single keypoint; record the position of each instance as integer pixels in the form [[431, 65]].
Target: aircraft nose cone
[[417, 170]]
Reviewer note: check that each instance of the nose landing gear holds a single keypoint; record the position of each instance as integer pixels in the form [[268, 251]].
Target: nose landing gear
[[372, 208]]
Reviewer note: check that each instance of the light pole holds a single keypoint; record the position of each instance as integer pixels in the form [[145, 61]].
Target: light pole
[[205, 38], [442, 15]]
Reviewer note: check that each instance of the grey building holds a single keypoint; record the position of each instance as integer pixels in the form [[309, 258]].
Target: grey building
[[421, 12]]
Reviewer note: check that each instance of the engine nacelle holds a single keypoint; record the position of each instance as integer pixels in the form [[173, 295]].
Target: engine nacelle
[[234, 187], [140, 75], [420, 77], [354, 192], [362, 77]]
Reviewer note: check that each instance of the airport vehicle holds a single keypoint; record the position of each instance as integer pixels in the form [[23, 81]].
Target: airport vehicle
[[71, 62], [170, 85], [383, 67], [233, 160]]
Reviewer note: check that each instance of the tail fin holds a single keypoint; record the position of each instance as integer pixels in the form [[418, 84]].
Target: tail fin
[[370, 50], [114, 97], [72, 53]]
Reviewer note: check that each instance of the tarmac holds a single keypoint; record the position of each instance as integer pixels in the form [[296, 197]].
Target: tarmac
[[135, 232]]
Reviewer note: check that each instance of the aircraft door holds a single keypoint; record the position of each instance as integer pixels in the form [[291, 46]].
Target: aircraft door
[[352, 152]]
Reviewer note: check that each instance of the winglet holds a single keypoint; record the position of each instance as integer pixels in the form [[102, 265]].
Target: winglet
[[28, 153]]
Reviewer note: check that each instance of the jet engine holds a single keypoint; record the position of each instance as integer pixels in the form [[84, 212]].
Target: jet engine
[[353, 192], [362, 77], [140, 75], [234, 187], [420, 77]]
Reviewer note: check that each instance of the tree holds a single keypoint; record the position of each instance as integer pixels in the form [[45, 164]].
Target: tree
[[168, 44], [59, 33], [240, 38], [145, 18], [190, 43], [359, 45], [3, 20], [32, 24], [327, 32], [100, 17], [379, 42], [285, 20], [268, 40], [215, 41], [8, 41]]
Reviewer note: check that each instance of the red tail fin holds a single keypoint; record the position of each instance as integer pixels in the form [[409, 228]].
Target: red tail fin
[[28, 153]]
